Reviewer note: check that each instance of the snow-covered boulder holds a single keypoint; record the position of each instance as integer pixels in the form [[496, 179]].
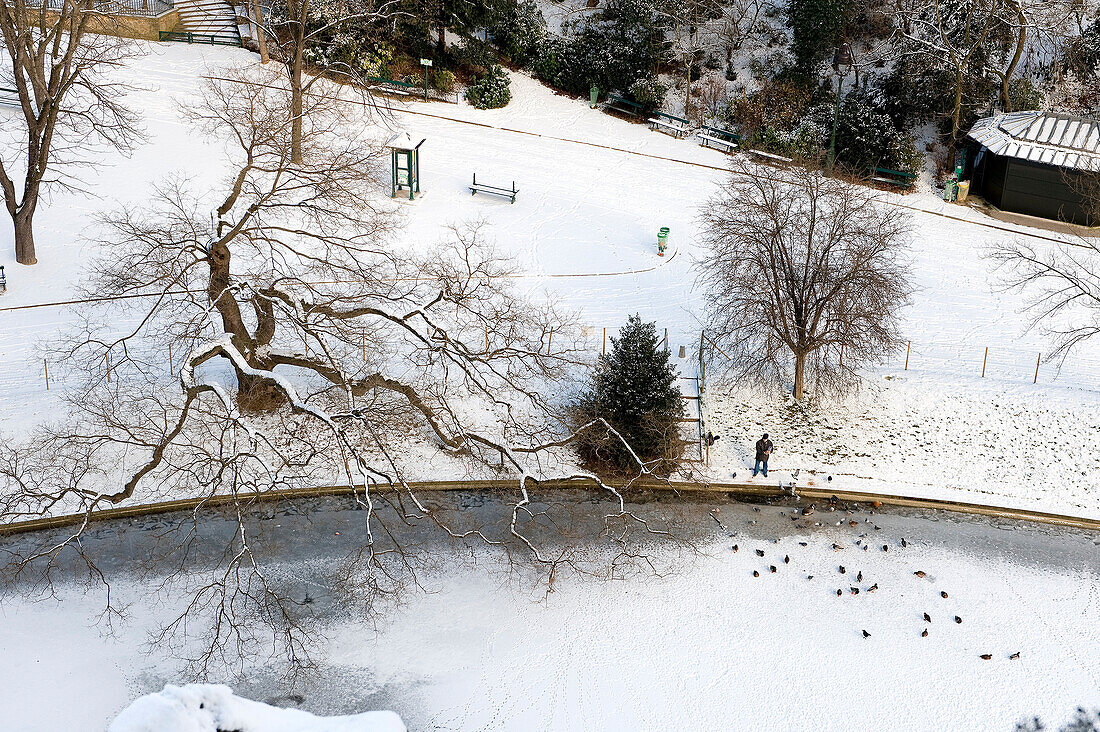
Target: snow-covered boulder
[[214, 707]]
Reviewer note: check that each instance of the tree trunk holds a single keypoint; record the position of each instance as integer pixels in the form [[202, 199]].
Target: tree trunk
[[296, 107], [261, 39], [24, 233], [799, 374]]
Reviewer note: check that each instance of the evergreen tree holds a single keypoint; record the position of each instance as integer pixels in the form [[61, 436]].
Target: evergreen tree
[[817, 26], [634, 389]]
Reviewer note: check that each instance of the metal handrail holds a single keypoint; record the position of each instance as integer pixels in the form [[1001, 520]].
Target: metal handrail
[[143, 8]]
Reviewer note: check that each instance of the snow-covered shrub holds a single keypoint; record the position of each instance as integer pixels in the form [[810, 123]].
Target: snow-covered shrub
[[518, 30], [414, 79], [649, 93], [490, 91], [767, 116], [634, 389], [866, 136], [442, 79], [611, 50]]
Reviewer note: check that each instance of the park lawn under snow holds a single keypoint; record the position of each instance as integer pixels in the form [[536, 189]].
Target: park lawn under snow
[[593, 191]]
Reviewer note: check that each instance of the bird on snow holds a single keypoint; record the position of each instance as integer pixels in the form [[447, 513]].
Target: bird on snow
[[1015, 655], [735, 547], [759, 552], [903, 541], [958, 619], [839, 593], [885, 548], [772, 568], [920, 573], [873, 587], [924, 633], [943, 594], [855, 590], [755, 573], [986, 656], [837, 547], [786, 559], [866, 634], [803, 543], [859, 577], [927, 618], [842, 570]]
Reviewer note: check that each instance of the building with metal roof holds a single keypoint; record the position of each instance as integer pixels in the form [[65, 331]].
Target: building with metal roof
[[1032, 162]]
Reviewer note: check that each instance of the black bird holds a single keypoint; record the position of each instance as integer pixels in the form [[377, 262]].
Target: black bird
[[927, 618], [866, 634], [884, 547], [755, 573], [842, 570], [873, 587], [735, 547], [809, 576], [943, 594], [772, 568], [803, 543], [903, 541], [759, 552], [855, 590], [919, 573], [986, 656], [1015, 655], [786, 559], [958, 619], [859, 577], [924, 633], [839, 593]]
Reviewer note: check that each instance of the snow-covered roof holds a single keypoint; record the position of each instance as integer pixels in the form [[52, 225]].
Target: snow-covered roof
[[402, 141], [1042, 137]]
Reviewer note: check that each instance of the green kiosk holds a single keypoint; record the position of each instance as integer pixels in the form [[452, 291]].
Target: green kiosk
[[405, 157]]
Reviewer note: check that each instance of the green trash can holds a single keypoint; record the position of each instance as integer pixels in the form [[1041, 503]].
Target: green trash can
[[593, 95], [662, 240]]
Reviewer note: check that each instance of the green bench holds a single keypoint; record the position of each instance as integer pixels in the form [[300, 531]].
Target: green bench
[[210, 39], [893, 177], [509, 193], [719, 138], [622, 104], [669, 123]]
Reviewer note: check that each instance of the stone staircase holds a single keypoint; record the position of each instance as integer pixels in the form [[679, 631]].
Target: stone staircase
[[211, 17]]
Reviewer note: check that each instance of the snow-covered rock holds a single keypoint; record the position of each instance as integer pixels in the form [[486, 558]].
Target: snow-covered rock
[[214, 707]]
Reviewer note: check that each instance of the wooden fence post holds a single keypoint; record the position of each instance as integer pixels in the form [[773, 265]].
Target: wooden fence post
[[46, 368], [984, 359], [1037, 360], [908, 345]]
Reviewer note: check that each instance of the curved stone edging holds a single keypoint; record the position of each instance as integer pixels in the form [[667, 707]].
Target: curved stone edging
[[740, 490]]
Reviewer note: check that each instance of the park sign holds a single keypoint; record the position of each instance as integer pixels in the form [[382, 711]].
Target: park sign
[[425, 62]]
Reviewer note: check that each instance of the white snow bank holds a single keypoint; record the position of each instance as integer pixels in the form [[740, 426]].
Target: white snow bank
[[213, 707]]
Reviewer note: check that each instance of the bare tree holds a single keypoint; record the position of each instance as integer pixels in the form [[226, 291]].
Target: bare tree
[[295, 32], [311, 351], [1063, 283], [58, 59], [802, 270]]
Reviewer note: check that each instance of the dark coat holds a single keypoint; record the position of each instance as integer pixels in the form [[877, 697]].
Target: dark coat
[[763, 450]]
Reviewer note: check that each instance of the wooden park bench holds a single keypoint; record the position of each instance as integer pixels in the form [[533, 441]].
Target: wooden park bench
[[9, 97], [622, 104], [476, 188], [719, 138], [669, 123], [893, 177], [772, 157]]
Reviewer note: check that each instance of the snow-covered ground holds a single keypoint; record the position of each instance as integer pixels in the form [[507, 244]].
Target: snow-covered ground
[[593, 191], [704, 645]]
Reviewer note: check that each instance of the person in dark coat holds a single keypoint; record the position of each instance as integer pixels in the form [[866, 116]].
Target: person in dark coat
[[764, 449]]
